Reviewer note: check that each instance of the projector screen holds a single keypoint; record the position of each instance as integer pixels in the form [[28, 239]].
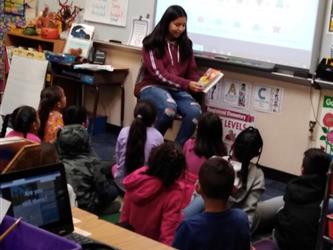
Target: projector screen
[[283, 32]]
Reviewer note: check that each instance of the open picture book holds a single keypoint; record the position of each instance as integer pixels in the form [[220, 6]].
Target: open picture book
[[210, 78]]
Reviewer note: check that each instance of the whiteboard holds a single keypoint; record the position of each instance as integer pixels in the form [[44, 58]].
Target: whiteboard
[[25, 81], [283, 32]]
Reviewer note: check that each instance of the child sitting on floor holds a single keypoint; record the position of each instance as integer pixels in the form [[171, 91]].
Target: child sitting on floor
[[218, 227], [208, 142], [297, 222], [25, 122], [95, 193], [135, 142], [52, 102], [155, 194], [249, 182]]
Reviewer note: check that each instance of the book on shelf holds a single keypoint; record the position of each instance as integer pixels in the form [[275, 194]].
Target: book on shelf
[[79, 40], [210, 78]]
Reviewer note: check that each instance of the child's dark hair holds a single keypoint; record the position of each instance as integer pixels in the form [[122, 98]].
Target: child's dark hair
[[216, 178], [22, 120], [209, 136], [248, 144], [49, 97], [166, 162], [156, 39], [144, 116], [74, 115], [316, 161], [6, 121]]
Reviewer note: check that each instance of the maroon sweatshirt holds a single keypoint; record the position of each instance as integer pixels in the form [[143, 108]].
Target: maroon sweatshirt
[[168, 71]]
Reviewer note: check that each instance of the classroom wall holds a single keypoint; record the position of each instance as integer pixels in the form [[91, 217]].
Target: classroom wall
[[106, 32], [143, 7], [286, 134]]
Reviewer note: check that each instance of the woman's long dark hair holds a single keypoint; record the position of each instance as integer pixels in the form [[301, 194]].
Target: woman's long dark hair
[[156, 40], [144, 116], [248, 144], [166, 162], [208, 141], [49, 97], [22, 120]]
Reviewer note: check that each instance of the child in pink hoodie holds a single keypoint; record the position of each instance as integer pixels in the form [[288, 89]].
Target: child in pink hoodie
[[156, 194], [25, 122]]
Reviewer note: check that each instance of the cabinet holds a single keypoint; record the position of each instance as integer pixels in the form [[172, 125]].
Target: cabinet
[[16, 38]]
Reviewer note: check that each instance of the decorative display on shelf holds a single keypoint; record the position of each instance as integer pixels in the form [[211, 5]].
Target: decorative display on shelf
[[67, 14]]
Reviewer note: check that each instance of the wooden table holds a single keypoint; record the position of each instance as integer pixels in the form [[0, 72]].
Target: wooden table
[[71, 81], [114, 235]]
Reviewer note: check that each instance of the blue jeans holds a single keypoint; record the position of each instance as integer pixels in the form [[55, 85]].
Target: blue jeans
[[170, 102], [197, 205]]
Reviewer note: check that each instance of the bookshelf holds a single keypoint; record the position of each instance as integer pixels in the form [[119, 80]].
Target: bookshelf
[[16, 38]]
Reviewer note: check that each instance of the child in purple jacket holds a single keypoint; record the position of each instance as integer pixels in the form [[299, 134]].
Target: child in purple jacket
[[135, 142]]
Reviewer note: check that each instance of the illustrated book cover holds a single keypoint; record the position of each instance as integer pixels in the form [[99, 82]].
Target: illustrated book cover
[[210, 78], [80, 40]]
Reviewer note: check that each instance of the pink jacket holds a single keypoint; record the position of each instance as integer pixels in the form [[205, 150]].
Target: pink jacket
[[30, 136], [152, 209], [193, 161]]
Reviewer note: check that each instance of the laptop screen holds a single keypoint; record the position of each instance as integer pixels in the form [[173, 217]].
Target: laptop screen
[[40, 197]]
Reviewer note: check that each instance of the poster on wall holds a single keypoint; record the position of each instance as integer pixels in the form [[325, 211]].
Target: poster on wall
[[268, 99], [139, 30], [233, 122], [230, 93], [326, 123], [14, 7], [230, 100], [112, 12]]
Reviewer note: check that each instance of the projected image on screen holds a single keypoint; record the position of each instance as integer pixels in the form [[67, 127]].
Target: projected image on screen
[[277, 31], [34, 199]]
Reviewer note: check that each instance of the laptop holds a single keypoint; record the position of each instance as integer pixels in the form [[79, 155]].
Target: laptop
[[40, 197]]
